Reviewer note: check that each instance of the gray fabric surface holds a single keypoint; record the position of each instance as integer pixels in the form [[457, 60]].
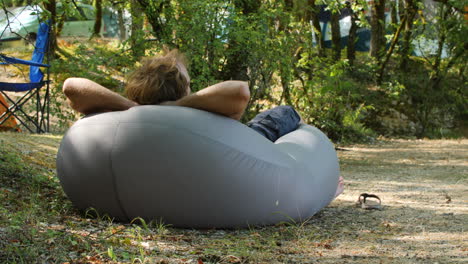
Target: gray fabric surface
[[194, 169]]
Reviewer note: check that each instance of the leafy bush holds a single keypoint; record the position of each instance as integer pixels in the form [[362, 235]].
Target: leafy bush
[[270, 45], [334, 102], [103, 62]]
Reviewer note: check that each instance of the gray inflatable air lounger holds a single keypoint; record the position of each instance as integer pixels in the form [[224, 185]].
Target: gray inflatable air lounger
[[194, 169]]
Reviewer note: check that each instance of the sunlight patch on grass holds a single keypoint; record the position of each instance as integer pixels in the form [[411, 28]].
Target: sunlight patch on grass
[[418, 223], [461, 237]]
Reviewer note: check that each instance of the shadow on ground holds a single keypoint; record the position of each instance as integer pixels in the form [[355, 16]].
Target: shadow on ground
[[422, 184]]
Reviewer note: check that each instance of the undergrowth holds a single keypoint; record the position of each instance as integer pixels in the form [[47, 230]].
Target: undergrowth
[[40, 225], [342, 100]]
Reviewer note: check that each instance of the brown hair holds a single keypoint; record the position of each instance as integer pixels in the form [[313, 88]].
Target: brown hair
[[159, 79]]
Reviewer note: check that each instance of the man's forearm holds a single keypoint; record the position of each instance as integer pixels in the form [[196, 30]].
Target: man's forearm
[[228, 98], [88, 97]]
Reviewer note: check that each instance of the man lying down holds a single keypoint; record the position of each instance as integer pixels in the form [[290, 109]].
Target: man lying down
[[165, 80]]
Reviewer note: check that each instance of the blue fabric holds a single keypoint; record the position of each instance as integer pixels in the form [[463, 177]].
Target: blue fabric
[[20, 87], [276, 122], [11, 60], [35, 74]]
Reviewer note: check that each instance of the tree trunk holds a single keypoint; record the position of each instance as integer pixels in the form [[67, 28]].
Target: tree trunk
[[237, 60], [401, 8], [285, 71], [122, 29], [313, 17], [351, 47], [395, 11], [136, 38], [389, 53], [410, 13], [286, 91], [436, 75], [336, 35], [377, 42], [51, 6], [153, 11], [98, 22]]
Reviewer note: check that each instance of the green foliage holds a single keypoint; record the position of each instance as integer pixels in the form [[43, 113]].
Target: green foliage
[[432, 83], [106, 63], [38, 224], [269, 43], [29, 195], [201, 36], [333, 101], [433, 107]]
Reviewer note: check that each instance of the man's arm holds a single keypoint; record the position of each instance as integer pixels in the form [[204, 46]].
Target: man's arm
[[229, 98], [88, 97]]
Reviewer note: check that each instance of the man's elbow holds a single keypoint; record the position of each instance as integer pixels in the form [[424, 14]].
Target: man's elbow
[[242, 100], [242, 96], [69, 87], [244, 92]]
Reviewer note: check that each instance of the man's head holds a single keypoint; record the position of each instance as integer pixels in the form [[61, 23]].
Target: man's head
[[159, 79]]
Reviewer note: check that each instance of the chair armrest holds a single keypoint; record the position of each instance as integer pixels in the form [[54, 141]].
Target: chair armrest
[[11, 60]]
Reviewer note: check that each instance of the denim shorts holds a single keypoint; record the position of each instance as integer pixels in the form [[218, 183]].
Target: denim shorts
[[276, 122]]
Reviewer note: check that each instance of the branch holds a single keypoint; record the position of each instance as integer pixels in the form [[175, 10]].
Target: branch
[[79, 9], [453, 60], [390, 51]]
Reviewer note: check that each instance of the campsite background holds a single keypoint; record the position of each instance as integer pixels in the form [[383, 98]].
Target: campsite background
[[392, 96], [354, 69]]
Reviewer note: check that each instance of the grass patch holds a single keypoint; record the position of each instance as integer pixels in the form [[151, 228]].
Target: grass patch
[[423, 220]]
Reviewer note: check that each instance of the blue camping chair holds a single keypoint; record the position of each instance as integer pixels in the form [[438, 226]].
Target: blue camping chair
[[38, 121]]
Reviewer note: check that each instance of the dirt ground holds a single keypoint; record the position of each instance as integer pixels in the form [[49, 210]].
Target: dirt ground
[[423, 185]]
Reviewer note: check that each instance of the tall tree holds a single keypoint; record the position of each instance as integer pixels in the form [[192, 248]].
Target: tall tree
[[351, 46], [51, 7], [98, 21], [411, 9], [336, 35], [238, 57], [120, 18], [159, 15], [285, 68], [314, 20], [377, 21], [120, 6], [384, 62], [451, 31], [394, 11], [137, 35]]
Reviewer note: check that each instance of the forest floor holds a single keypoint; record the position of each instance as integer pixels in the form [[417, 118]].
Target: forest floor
[[423, 185]]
